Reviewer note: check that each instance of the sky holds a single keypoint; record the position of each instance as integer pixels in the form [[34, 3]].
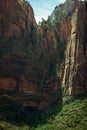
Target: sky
[[44, 8]]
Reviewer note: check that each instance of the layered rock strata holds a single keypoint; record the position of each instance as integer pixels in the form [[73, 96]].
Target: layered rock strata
[[27, 75]]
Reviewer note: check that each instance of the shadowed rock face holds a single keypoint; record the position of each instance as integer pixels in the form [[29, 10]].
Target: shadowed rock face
[[75, 73], [27, 58]]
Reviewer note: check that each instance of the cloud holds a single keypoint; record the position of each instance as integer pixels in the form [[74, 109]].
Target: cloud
[[41, 13], [39, 18]]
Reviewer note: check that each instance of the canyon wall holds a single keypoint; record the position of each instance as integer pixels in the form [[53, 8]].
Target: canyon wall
[[75, 72], [27, 58], [32, 56]]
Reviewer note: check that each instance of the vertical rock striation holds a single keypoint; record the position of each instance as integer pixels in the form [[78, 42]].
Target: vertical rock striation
[[75, 73], [27, 58], [16, 17]]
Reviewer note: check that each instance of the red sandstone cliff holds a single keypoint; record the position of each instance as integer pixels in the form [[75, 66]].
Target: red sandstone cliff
[[29, 55], [75, 73], [15, 19], [27, 75]]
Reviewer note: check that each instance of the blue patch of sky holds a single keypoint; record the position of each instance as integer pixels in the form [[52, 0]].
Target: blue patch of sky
[[44, 8]]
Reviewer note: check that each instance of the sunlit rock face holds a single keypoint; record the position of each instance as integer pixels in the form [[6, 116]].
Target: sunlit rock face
[[75, 73], [61, 19], [27, 58], [64, 9]]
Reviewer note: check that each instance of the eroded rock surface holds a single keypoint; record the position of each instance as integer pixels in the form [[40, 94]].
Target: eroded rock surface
[[75, 74], [27, 58]]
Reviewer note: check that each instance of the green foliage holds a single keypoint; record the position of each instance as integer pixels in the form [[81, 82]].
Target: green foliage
[[47, 24], [12, 44], [9, 126], [72, 117], [53, 109], [31, 116], [58, 70]]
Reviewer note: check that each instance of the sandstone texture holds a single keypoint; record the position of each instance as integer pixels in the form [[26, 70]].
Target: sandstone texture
[[75, 73], [27, 58], [32, 56]]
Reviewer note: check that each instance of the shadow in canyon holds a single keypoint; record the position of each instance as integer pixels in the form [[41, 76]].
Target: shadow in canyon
[[31, 115]]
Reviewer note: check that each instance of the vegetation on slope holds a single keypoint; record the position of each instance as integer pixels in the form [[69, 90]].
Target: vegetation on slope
[[9, 126], [73, 116]]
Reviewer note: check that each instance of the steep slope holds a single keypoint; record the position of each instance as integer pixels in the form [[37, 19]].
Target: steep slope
[[73, 116], [63, 10], [31, 54], [30, 65], [61, 20], [27, 58], [15, 20], [75, 73]]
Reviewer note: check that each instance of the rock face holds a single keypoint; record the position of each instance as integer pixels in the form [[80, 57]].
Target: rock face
[[63, 10], [31, 54], [27, 58], [15, 20], [61, 18], [75, 73]]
